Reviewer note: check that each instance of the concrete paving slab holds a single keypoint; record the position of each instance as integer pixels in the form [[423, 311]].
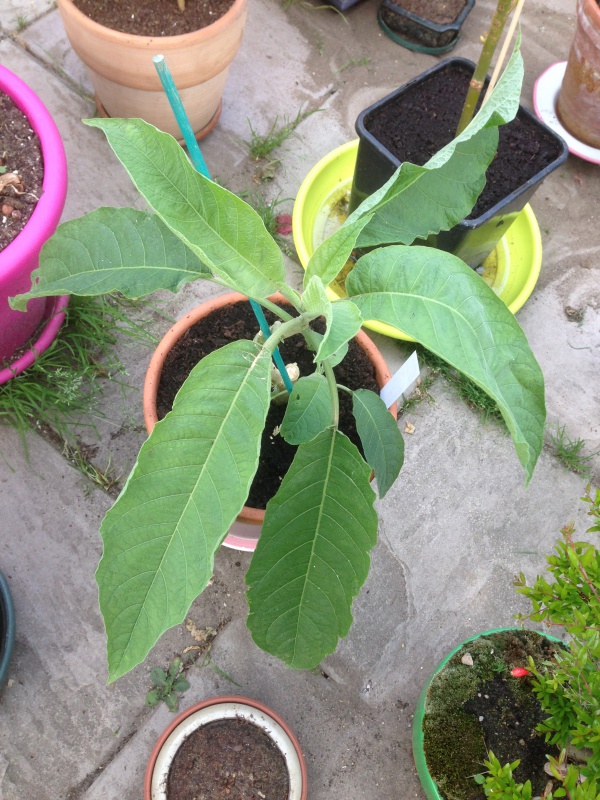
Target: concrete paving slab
[[17, 14], [454, 530]]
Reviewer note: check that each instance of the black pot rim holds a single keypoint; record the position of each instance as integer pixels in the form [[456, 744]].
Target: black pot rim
[[476, 222], [7, 628]]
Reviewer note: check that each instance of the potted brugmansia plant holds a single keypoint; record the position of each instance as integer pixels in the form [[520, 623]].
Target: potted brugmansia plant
[[116, 41], [518, 712], [415, 121], [193, 473], [33, 188]]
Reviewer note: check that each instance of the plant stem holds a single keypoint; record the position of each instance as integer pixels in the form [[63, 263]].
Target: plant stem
[[509, 35], [491, 42], [333, 393]]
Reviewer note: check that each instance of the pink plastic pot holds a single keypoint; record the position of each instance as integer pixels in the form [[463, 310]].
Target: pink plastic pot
[[20, 257]]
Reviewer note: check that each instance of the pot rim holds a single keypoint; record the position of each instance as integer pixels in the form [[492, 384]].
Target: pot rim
[[499, 207], [206, 711], [48, 209], [144, 42], [7, 616], [437, 27], [151, 383], [427, 782]]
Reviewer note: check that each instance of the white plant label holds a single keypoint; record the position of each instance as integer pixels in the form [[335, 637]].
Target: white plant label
[[401, 380]]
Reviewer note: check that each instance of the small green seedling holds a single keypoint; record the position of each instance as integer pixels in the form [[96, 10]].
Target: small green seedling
[[168, 685], [260, 146]]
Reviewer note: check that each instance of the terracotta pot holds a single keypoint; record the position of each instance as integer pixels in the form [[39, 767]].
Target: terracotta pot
[[218, 708], [244, 533], [578, 104], [125, 79], [20, 257]]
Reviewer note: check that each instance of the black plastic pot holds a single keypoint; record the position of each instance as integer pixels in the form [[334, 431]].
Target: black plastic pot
[[7, 628], [342, 5], [473, 239], [418, 33]]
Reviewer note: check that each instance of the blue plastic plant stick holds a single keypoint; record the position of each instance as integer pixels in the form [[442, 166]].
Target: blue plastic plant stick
[[183, 122], [199, 163]]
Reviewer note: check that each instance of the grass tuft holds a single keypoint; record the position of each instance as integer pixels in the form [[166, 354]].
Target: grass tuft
[[62, 388], [569, 452], [468, 391], [260, 146]]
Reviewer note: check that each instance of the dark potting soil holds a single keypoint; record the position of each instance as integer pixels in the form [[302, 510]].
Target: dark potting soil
[[414, 126], [235, 322], [442, 12], [471, 710], [230, 759], [154, 17], [21, 170]]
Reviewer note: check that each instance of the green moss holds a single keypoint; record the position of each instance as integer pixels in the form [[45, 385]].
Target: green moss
[[454, 753], [471, 709]]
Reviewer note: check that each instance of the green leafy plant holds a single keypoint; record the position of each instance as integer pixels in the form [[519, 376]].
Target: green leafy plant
[[568, 686], [167, 685], [193, 474]]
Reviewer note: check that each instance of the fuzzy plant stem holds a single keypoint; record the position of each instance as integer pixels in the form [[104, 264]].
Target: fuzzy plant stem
[[489, 47]]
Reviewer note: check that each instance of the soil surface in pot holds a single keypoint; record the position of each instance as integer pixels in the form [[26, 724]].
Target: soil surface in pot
[[441, 12], [472, 709], [21, 170], [415, 125], [154, 17], [230, 759], [235, 322]]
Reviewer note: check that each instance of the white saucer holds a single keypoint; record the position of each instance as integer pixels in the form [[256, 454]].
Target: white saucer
[[545, 95]]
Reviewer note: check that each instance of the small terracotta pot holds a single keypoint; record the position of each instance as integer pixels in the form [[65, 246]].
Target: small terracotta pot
[[216, 708], [126, 82], [578, 104], [244, 533]]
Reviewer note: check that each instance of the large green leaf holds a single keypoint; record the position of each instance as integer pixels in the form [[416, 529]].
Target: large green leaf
[[190, 481], [418, 201], [443, 304], [313, 552], [308, 410], [113, 250], [381, 439], [224, 232]]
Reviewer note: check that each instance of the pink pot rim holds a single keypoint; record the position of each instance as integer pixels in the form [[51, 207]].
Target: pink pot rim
[[248, 513], [55, 316], [215, 701], [48, 210]]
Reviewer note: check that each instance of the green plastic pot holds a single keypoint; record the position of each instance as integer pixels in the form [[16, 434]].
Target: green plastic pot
[[7, 628], [430, 787], [512, 270]]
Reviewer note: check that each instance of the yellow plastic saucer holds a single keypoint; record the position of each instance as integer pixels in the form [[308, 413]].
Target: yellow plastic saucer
[[512, 269]]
